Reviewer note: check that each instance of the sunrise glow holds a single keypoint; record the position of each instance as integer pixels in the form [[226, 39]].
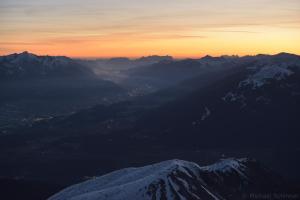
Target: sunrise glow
[[181, 28]]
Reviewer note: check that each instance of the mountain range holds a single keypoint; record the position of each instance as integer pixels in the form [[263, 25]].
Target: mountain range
[[192, 109]]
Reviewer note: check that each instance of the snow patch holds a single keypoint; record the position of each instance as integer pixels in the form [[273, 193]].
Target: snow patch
[[260, 78], [206, 114], [227, 166]]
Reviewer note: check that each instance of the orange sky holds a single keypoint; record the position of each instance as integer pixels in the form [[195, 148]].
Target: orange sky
[[133, 28]]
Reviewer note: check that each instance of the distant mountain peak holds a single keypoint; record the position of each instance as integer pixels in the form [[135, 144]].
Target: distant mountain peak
[[119, 59], [211, 58], [285, 54], [26, 53], [207, 57], [155, 58], [28, 65]]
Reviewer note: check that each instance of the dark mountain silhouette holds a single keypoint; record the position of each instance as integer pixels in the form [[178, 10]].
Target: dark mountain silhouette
[[37, 87], [26, 65]]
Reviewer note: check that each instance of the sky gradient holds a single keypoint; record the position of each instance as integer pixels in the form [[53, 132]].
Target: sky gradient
[[132, 28]]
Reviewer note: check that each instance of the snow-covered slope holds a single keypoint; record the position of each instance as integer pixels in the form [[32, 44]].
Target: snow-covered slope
[[268, 68], [173, 179], [261, 76], [264, 75]]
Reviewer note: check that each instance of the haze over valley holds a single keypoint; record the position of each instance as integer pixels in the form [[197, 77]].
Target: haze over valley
[[149, 100]]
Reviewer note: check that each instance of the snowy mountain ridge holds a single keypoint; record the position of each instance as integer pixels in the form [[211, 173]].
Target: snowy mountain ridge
[[173, 179]]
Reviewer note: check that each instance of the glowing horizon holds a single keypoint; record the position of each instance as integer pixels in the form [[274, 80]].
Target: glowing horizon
[[135, 28]]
